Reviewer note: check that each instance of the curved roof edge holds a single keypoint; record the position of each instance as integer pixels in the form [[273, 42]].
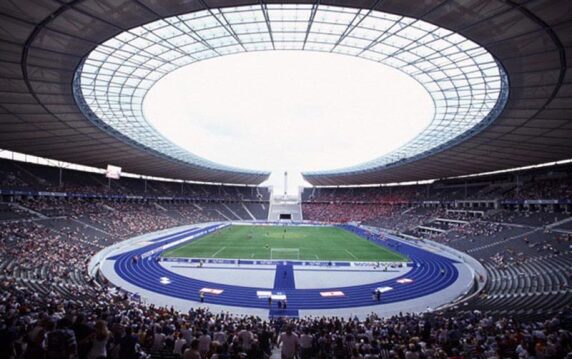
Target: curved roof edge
[[343, 175], [462, 78], [248, 176], [44, 41]]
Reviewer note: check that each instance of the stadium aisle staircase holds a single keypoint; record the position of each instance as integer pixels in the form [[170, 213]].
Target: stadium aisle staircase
[[284, 277]]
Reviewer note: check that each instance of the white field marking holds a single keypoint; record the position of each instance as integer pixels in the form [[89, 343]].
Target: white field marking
[[252, 255], [350, 253], [315, 255], [217, 252]]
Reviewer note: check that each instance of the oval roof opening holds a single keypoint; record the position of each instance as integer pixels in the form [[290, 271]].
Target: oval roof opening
[[278, 110], [467, 86]]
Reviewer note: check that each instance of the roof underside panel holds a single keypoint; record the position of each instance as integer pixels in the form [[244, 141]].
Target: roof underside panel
[[43, 41]]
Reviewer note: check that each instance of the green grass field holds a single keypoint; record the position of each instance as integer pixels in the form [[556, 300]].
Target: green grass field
[[256, 242]]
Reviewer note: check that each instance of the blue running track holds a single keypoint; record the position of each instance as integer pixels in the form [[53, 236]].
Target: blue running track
[[284, 277], [426, 275]]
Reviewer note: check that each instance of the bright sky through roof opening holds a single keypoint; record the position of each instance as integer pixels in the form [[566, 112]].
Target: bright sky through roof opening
[[288, 111]]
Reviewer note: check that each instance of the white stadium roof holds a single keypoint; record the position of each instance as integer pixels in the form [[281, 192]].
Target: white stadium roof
[[74, 76]]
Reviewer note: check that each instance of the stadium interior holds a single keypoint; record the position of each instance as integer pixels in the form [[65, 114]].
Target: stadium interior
[[455, 245]]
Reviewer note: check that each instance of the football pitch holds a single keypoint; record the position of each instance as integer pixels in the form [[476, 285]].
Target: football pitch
[[285, 242]]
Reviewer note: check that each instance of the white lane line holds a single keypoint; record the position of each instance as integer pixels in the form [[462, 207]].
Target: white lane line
[[217, 252], [350, 253]]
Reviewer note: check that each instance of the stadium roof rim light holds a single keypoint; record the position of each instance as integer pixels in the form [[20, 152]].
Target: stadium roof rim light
[[468, 86]]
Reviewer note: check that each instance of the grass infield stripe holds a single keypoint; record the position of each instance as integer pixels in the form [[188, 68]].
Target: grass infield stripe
[[351, 254], [217, 252]]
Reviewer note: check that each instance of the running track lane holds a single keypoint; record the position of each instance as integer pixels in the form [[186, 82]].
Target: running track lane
[[425, 274]]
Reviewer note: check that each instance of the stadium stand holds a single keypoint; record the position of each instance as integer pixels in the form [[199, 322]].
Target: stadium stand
[[523, 237], [22, 176], [37, 287], [46, 242], [74, 75]]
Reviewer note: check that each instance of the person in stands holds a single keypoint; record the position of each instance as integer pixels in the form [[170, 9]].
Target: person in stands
[[289, 341]]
